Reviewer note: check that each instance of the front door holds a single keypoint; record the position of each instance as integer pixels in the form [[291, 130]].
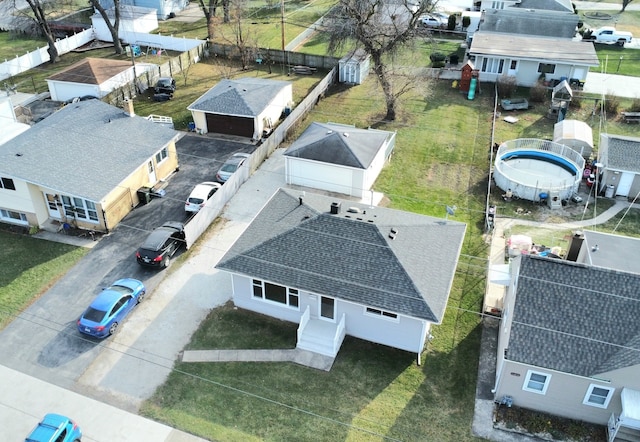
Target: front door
[[624, 186], [152, 173], [327, 308], [53, 204]]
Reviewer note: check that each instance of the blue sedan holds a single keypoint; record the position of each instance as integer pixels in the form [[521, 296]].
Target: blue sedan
[[55, 428], [110, 307]]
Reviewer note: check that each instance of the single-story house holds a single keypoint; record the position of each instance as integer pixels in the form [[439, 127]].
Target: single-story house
[[620, 157], [133, 19], [163, 8], [92, 77], [520, 21], [339, 268], [575, 134], [528, 59], [550, 5], [244, 106], [83, 166], [338, 158], [569, 342]]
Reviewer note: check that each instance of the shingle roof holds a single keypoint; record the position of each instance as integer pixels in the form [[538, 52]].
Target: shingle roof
[[495, 44], [530, 22], [246, 97], [92, 71], [547, 5], [350, 255], [84, 149], [339, 144], [623, 153], [575, 318]]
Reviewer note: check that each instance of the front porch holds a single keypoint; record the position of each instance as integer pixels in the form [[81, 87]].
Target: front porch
[[319, 335]]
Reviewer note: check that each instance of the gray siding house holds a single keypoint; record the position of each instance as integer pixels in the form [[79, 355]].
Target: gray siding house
[[569, 342], [620, 156], [341, 268]]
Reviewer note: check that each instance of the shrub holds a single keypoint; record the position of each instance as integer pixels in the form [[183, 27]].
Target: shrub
[[611, 104], [538, 93], [454, 58], [451, 22], [466, 21], [635, 105], [506, 85], [437, 64], [575, 102], [436, 57]]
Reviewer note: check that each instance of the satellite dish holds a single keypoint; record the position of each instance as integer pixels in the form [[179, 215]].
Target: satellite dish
[[451, 210]]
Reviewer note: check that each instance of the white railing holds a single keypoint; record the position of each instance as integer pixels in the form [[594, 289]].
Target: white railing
[[612, 428], [304, 320], [339, 336], [541, 145], [161, 119]]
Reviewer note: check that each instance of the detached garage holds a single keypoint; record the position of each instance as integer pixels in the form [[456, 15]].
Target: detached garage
[[620, 157], [338, 158], [246, 107]]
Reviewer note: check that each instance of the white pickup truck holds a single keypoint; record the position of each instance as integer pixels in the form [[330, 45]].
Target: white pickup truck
[[608, 34]]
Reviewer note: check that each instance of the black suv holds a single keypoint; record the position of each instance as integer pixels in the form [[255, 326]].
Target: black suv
[[161, 245], [165, 85]]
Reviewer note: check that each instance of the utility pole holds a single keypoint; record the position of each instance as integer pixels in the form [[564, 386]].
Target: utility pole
[[282, 21]]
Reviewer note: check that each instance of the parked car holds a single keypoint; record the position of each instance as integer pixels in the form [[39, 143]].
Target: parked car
[[435, 20], [165, 85], [161, 244], [55, 428], [199, 195], [110, 307], [230, 166]]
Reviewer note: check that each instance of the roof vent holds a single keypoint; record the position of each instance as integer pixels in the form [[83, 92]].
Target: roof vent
[[329, 131], [353, 210], [345, 134], [335, 208], [18, 154], [393, 233]]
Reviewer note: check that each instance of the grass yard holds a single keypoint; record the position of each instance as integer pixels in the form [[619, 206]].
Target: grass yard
[[29, 267]]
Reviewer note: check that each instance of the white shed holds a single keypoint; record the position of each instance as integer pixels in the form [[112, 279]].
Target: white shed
[[575, 134], [354, 67], [133, 20], [338, 158]]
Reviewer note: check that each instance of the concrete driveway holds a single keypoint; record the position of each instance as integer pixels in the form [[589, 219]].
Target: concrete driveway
[[43, 341]]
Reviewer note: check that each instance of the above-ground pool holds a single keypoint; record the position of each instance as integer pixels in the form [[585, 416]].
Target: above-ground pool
[[532, 168]]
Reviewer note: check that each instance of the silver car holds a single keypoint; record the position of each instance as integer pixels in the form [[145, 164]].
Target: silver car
[[230, 166]]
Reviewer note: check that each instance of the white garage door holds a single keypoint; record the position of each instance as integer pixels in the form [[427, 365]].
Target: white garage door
[[320, 176]]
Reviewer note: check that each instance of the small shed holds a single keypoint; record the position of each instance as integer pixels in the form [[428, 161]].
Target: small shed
[[575, 134], [354, 67], [338, 158], [134, 20]]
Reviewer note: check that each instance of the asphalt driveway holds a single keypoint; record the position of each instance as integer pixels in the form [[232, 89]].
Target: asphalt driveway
[[43, 341]]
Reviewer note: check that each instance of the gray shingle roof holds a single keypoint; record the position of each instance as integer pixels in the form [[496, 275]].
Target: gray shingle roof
[[575, 318], [247, 97], [623, 153], [305, 247], [547, 5], [530, 22], [339, 144], [85, 149], [494, 44]]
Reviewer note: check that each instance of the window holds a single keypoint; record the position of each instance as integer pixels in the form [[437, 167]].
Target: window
[[7, 183], [514, 65], [162, 155], [275, 293], [378, 312], [546, 68], [492, 65], [78, 208], [13, 217], [536, 382], [598, 396]]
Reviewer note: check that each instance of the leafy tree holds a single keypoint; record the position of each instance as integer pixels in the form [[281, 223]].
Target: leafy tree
[[380, 27], [113, 27]]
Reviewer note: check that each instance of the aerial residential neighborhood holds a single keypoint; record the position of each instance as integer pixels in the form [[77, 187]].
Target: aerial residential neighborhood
[[252, 223]]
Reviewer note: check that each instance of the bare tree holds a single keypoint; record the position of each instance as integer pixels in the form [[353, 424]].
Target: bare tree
[[625, 3], [245, 43], [40, 18], [113, 28], [381, 28], [209, 9]]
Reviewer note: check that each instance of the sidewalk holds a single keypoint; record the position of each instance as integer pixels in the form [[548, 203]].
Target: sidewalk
[[25, 400]]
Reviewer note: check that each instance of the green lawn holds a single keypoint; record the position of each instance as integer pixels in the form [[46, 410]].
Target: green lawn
[[29, 267]]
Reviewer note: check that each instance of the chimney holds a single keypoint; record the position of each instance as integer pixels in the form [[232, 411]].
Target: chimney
[[128, 107], [335, 208], [575, 244]]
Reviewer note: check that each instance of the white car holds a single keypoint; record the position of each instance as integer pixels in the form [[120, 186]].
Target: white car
[[435, 20], [199, 196]]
